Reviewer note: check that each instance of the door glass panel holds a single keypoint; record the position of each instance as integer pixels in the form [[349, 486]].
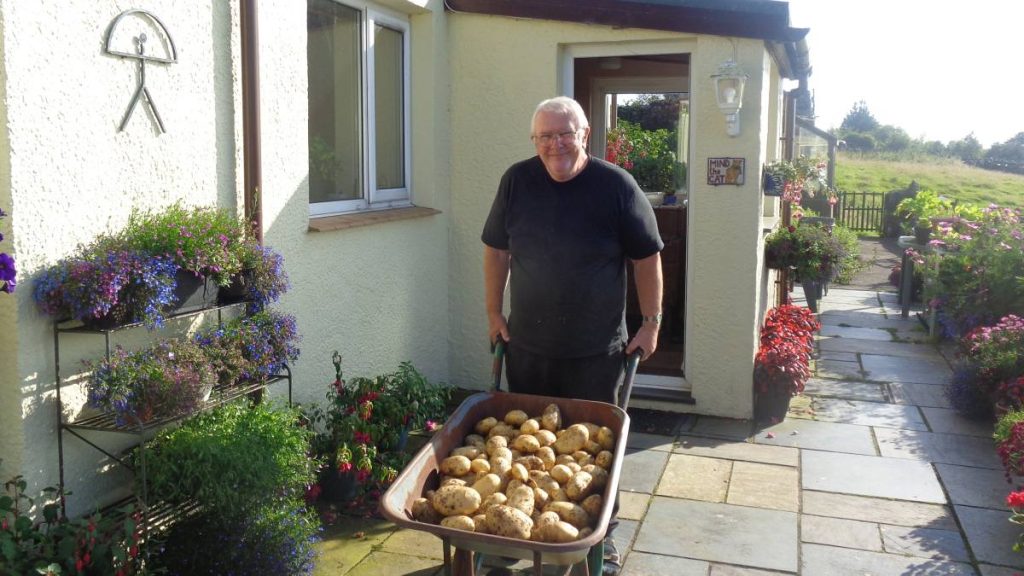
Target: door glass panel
[[647, 134]]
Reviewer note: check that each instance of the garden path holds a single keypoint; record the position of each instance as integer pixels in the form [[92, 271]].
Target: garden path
[[871, 473]]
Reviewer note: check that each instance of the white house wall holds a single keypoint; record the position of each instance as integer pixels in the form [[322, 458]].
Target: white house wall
[[378, 293]]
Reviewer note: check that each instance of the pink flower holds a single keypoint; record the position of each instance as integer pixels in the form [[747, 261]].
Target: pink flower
[[344, 467], [430, 425]]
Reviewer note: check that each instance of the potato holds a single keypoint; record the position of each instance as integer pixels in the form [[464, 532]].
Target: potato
[[604, 459], [475, 440], [516, 418], [592, 429], [480, 466], [592, 447], [570, 512], [547, 456], [495, 442], [501, 452], [456, 500], [509, 522], [561, 473], [487, 485], [583, 457], [606, 438], [565, 459], [502, 429], [574, 466], [459, 522], [544, 480], [592, 504], [545, 437], [484, 426], [496, 499], [531, 462], [551, 419], [455, 466], [559, 496], [572, 440], [452, 481], [580, 486], [470, 452], [600, 476], [500, 466], [480, 523], [522, 499], [519, 472], [540, 497], [559, 532], [512, 485], [423, 511], [526, 443], [584, 532], [545, 519], [530, 426]]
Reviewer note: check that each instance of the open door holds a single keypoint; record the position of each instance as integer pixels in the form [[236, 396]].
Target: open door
[[638, 106]]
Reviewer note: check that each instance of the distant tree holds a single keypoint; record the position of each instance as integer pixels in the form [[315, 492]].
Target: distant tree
[[1007, 156], [652, 111], [859, 119], [969, 150], [934, 147], [892, 139], [857, 142]]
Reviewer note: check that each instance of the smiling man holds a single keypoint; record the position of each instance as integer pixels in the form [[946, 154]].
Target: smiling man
[[559, 233]]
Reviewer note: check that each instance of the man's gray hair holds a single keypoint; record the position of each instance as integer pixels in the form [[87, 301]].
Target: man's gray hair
[[563, 105]]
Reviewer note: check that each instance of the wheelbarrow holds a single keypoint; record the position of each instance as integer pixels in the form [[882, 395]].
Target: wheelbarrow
[[582, 557]]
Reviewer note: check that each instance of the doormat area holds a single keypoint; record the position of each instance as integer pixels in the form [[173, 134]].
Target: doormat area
[[657, 421]]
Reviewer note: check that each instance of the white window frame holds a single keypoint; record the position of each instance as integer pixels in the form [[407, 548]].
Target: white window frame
[[370, 197]]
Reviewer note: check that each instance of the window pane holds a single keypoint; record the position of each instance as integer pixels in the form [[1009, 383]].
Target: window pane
[[333, 56], [389, 105]]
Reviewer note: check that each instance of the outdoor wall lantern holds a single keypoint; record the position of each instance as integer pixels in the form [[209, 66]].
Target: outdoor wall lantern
[[729, 82]]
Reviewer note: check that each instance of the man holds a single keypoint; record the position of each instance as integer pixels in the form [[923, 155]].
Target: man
[[561, 227]]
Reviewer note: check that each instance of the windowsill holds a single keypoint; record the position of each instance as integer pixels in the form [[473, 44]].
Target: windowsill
[[768, 223], [345, 221]]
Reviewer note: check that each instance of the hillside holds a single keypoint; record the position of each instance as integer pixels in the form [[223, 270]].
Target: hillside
[[950, 178]]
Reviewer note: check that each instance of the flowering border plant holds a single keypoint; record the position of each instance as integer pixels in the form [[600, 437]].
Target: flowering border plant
[[995, 358], [8, 271], [809, 249], [1015, 501], [782, 362]]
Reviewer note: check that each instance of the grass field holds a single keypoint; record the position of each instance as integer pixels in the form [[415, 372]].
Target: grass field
[[949, 178]]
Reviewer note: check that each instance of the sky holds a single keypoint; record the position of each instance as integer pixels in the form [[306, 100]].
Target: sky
[[938, 69]]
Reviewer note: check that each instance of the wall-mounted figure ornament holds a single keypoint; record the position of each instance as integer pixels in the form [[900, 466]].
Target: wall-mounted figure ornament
[[141, 51]]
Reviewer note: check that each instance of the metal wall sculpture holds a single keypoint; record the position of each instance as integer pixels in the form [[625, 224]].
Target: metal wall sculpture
[[138, 52]]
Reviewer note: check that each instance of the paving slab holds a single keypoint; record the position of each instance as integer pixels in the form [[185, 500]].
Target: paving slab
[[764, 486], [838, 369], [899, 349], [990, 535], [840, 532], [948, 421], [739, 535], [348, 542], [724, 570], [813, 435], [643, 564], [975, 486], [931, 369], [918, 394], [866, 391], [934, 447], [414, 543], [644, 441], [877, 334], [737, 450], [990, 570], [633, 505], [868, 413], [925, 543], [834, 355], [380, 563], [879, 510], [870, 476], [696, 478], [641, 470], [624, 537], [861, 320], [721, 427], [818, 559]]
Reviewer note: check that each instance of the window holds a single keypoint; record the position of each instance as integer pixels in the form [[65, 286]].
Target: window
[[358, 60]]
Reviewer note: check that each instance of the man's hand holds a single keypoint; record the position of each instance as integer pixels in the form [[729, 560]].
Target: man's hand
[[646, 339], [497, 324]]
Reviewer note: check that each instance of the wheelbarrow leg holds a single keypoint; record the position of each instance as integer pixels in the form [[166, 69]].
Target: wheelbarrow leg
[[462, 564], [538, 568], [595, 559]]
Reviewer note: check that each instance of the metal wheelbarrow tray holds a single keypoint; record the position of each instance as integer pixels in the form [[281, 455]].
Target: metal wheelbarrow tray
[[421, 474]]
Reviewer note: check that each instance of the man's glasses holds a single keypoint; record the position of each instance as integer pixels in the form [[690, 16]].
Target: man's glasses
[[549, 139]]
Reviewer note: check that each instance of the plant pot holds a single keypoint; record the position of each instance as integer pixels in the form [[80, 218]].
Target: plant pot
[[192, 292], [771, 406], [812, 292], [118, 315], [338, 486], [922, 234], [236, 291]]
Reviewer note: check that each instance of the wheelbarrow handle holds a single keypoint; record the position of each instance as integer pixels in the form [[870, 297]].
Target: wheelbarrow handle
[[498, 349], [626, 388]]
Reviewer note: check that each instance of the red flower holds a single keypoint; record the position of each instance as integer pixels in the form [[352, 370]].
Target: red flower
[[312, 493], [362, 437], [362, 475], [344, 467], [1015, 499]]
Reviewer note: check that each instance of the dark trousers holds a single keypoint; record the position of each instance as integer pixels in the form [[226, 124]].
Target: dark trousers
[[589, 378]]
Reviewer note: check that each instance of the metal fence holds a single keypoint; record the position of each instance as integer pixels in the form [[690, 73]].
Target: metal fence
[[861, 211]]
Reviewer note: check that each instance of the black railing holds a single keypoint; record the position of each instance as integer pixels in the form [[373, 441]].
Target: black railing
[[861, 211]]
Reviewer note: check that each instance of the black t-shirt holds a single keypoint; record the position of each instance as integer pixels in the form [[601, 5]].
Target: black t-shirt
[[569, 242]]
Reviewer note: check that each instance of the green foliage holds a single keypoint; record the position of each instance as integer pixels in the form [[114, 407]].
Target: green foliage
[[851, 262], [809, 249], [232, 458], [918, 210], [859, 119], [646, 154]]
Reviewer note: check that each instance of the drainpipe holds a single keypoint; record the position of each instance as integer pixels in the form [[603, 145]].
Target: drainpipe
[[253, 184]]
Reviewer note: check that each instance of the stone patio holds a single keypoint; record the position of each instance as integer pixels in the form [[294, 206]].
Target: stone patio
[[873, 474]]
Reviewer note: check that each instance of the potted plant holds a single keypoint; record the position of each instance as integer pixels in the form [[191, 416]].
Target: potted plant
[[791, 179], [990, 362], [268, 340], [200, 240], [918, 211], [1009, 437], [811, 251], [104, 288], [261, 279], [172, 378], [782, 362]]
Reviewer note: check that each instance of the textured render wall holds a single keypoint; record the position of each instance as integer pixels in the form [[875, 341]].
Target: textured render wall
[[11, 437], [724, 263], [500, 69], [377, 294]]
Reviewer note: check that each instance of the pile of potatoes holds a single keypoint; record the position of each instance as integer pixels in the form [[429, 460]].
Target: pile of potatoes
[[524, 477]]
